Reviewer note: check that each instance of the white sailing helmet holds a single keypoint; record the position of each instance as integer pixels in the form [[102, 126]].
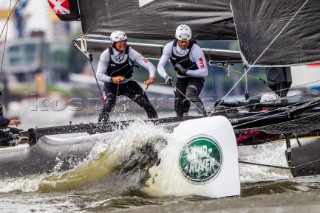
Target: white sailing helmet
[[268, 97], [118, 36], [183, 32]]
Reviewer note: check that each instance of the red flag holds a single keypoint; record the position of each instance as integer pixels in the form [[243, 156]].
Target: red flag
[[60, 7]]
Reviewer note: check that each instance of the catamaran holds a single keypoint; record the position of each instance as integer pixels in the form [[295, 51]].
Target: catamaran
[[275, 34]]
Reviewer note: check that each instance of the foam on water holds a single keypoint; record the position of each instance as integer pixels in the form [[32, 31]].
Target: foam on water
[[123, 158], [159, 182], [118, 159], [25, 184], [109, 154], [269, 154]]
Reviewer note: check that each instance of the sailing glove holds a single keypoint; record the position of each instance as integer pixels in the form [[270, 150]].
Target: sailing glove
[[169, 80], [180, 69]]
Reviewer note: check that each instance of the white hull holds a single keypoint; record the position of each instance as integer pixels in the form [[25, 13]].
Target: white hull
[[24, 160], [201, 154]]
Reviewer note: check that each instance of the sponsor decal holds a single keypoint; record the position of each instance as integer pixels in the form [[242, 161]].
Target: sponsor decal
[[201, 63], [145, 60], [60, 7], [234, 121], [314, 64], [201, 159]]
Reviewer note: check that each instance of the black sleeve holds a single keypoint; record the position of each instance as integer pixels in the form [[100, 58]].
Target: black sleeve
[[4, 122]]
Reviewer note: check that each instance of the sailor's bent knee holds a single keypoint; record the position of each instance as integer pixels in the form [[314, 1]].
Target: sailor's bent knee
[[110, 96], [191, 93]]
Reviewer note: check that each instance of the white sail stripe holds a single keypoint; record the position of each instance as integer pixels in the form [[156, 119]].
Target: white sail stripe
[[144, 2]]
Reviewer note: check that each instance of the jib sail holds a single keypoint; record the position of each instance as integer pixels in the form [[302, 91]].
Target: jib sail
[[278, 32]]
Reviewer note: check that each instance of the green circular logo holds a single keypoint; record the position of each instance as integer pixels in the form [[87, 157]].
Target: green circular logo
[[201, 159]]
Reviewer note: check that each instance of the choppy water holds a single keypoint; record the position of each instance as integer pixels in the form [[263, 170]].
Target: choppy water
[[113, 179]]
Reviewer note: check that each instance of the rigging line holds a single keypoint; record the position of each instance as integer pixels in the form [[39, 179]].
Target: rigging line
[[296, 86], [259, 119], [10, 12], [246, 90], [263, 52], [264, 112], [265, 165], [118, 87], [276, 100], [304, 164], [279, 167], [159, 83], [90, 59], [230, 90], [255, 115], [240, 73], [215, 95], [280, 32], [5, 38], [187, 98], [310, 129], [253, 104], [300, 85], [260, 114], [261, 79], [95, 77]]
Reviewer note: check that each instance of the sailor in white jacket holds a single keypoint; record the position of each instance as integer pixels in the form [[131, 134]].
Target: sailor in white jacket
[[115, 69], [190, 64]]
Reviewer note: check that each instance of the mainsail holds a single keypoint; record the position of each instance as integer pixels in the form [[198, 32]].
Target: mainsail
[[270, 33], [150, 19], [158, 19], [278, 32]]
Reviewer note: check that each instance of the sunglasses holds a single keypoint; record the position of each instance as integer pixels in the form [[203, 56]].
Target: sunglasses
[[181, 42]]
